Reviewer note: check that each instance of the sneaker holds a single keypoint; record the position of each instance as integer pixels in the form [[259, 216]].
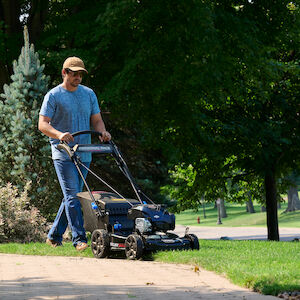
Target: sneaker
[[53, 243], [81, 246]]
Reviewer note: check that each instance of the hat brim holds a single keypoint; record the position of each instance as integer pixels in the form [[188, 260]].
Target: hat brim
[[74, 69]]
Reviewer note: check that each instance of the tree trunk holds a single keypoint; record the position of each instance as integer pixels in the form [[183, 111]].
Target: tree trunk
[[9, 13], [37, 17], [203, 206], [4, 76], [293, 199], [250, 206], [223, 209], [271, 206]]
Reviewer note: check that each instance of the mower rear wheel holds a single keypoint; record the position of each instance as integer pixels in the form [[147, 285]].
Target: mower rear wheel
[[134, 247], [194, 242], [100, 243]]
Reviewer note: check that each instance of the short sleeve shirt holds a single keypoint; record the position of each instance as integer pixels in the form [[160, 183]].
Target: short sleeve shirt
[[70, 112]]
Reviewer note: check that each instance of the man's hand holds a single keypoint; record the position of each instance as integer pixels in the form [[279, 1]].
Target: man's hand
[[105, 136], [98, 125], [67, 137]]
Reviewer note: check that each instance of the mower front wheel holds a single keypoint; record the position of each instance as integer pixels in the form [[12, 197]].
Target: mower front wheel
[[100, 243], [134, 247], [194, 242]]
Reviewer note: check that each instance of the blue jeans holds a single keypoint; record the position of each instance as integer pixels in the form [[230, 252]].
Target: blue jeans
[[70, 209]]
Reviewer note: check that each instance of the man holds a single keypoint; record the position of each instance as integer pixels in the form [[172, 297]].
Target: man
[[67, 108]]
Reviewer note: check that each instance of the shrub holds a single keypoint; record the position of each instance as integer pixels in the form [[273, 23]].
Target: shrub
[[19, 220]]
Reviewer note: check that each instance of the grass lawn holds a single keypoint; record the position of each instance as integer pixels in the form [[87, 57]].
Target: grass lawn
[[265, 267], [237, 216], [43, 249]]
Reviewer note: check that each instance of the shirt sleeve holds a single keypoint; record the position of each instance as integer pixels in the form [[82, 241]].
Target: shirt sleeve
[[95, 105], [48, 106]]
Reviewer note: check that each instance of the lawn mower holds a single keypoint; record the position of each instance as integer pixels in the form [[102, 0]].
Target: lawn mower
[[136, 226]]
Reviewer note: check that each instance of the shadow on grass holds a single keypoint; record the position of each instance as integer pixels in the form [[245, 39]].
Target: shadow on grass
[[268, 287], [287, 217]]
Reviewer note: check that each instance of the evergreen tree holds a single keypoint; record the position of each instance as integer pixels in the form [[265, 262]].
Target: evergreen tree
[[24, 151]]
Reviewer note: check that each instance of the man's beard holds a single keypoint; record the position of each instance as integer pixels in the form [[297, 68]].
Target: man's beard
[[75, 83]]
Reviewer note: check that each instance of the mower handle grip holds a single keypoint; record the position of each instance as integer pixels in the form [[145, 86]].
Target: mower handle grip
[[86, 132]]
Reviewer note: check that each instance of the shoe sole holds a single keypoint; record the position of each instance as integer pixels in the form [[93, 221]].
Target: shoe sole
[[53, 244]]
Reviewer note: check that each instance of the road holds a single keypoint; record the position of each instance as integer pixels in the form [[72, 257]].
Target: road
[[238, 233]]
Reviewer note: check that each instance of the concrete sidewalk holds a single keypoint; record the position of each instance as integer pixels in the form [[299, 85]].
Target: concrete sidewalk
[[49, 277], [238, 233]]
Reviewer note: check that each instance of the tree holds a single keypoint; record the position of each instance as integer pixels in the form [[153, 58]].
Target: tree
[[220, 79], [24, 152], [249, 204], [223, 212], [10, 28], [13, 15], [293, 199], [214, 84], [56, 37]]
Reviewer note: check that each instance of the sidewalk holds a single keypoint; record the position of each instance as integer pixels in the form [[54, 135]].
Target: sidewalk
[[238, 233], [48, 277]]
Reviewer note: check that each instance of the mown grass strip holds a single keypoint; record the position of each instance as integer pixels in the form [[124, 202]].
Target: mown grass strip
[[43, 249]]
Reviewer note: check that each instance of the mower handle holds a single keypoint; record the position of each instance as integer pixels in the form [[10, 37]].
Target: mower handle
[[86, 132], [63, 145]]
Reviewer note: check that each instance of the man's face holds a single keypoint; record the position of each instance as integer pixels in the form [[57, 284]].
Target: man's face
[[73, 78]]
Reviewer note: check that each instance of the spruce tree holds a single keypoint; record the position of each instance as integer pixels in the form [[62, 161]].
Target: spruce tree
[[24, 151]]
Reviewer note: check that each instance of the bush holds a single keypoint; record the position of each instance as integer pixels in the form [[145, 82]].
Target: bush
[[19, 221]]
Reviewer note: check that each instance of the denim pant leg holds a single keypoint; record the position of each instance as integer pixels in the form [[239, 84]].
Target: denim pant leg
[[60, 224], [70, 209]]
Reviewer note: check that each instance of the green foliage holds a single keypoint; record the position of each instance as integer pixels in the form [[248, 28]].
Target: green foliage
[[180, 191], [24, 152], [206, 81], [213, 84], [19, 220], [190, 187]]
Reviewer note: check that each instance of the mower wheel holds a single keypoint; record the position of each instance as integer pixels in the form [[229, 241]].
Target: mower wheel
[[134, 247], [194, 242], [100, 243]]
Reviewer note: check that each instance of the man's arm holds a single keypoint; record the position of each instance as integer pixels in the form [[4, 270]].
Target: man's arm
[[98, 125], [46, 128]]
